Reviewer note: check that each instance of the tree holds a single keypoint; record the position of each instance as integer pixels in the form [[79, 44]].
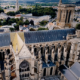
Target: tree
[[43, 23], [11, 29], [32, 22], [32, 29], [39, 11], [4, 22], [26, 22], [21, 18], [11, 13], [78, 26], [16, 27], [42, 28], [1, 10], [20, 22]]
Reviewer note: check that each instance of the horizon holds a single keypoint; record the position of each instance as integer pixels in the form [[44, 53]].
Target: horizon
[[44, 1]]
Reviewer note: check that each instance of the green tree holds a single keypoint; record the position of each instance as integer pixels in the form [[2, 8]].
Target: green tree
[[4, 22], [26, 22], [11, 29], [20, 22], [42, 28], [78, 26], [43, 23], [32, 22], [21, 18], [16, 27], [11, 13], [1, 10], [32, 29], [39, 11]]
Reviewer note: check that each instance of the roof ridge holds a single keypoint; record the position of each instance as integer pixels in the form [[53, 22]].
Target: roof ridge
[[72, 72], [49, 30]]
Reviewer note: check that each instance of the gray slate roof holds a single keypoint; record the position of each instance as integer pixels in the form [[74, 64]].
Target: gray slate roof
[[47, 36], [76, 69], [67, 73], [4, 39]]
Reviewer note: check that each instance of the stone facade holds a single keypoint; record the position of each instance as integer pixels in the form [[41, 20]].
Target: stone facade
[[17, 5], [39, 60], [65, 15]]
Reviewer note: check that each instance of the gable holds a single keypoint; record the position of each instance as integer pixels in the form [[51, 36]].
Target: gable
[[24, 52], [17, 43]]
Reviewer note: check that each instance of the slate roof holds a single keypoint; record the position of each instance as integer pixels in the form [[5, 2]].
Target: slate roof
[[76, 69], [1, 30], [4, 39], [37, 36], [67, 73], [46, 65], [47, 36]]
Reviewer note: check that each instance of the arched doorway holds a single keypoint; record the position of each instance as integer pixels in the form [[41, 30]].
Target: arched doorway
[[24, 70]]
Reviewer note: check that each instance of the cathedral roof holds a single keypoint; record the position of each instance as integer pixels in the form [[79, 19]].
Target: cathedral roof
[[69, 75], [47, 36], [4, 39], [18, 38], [76, 68]]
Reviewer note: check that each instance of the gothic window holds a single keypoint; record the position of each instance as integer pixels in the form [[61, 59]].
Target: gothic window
[[42, 50], [51, 70], [44, 72], [79, 56], [48, 49], [62, 50], [35, 51], [35, 70], [69, 16], [66, 16], [24, 66], [60, 16]]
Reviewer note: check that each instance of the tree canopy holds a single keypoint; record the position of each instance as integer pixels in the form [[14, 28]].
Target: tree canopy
[[1, 10], [42, 28], [43, 23], [78, 26], [37, 11]]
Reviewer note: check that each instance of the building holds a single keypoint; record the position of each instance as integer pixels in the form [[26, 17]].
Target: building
[[6, 28], [26, 28], [72, 73], [37, 55], [9, 10], [3, 16], [65, 15], [18, 16], [36, 19], [17, 5]]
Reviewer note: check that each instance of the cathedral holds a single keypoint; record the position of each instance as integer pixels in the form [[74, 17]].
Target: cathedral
[[38, 55], [65, 15]]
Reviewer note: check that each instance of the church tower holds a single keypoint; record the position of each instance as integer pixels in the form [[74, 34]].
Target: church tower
[[65, 15], [17, 5]]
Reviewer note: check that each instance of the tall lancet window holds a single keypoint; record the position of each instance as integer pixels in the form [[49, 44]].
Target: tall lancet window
[[69, 16], [60, 16]]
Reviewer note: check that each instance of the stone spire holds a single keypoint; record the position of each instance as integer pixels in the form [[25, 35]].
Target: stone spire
[[60, 2], [17, 5]]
